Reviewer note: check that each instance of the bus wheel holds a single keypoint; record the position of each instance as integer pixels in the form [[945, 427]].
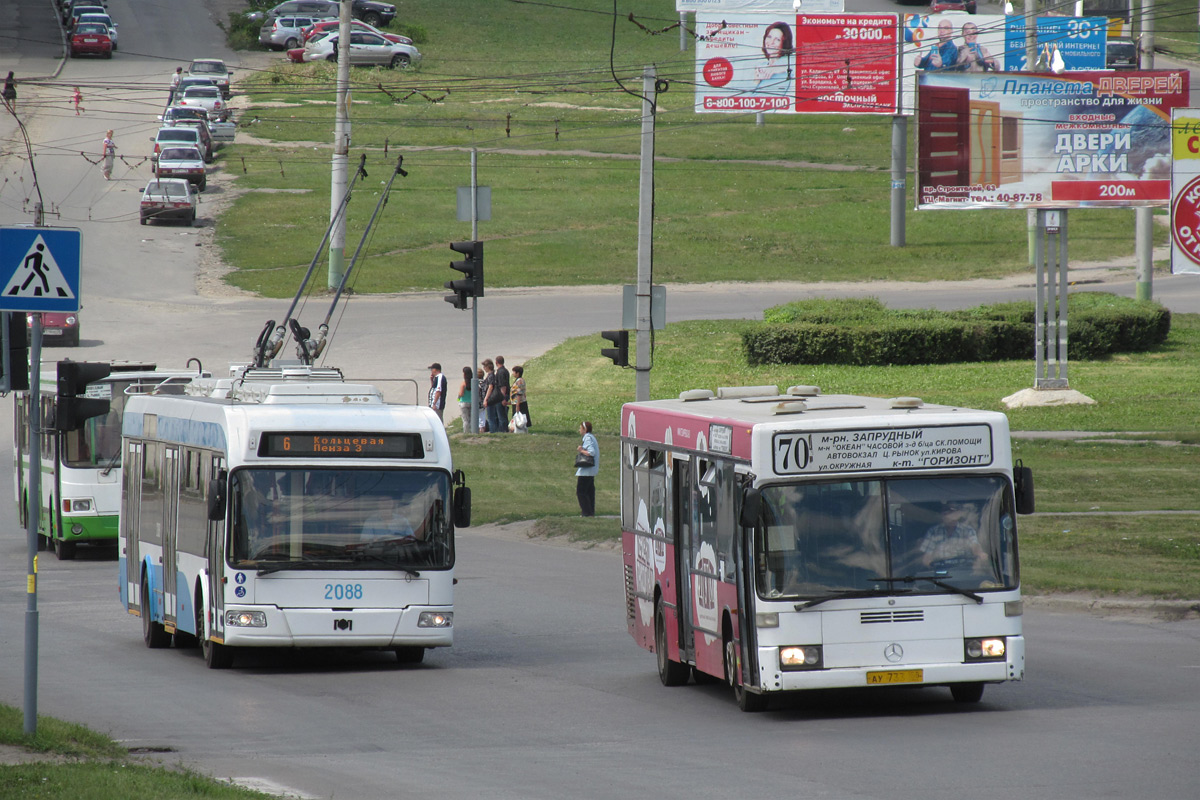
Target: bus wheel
[[153, 632], [671, 673], [216, 656], [966, 692], [410, 655], [64, 550], [746, 700]]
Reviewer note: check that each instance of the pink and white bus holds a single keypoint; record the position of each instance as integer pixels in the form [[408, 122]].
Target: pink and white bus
[[812, 541]]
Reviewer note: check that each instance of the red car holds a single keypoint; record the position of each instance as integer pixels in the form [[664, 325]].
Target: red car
[[358, 25], [59, 329], [90, 38]]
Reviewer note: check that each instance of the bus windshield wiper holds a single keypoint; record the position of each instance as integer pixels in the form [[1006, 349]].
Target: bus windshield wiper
[[112, 462], [359, 554], [936, 581], [847, 595]]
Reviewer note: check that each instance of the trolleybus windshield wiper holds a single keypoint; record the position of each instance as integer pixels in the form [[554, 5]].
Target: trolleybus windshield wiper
[[360, 554], [847, 595], [936, 581]]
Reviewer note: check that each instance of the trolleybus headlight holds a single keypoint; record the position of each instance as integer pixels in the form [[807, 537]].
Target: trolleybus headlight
[[989, 649], [246, 619], [436, 619], [76, 506], [800, 657]]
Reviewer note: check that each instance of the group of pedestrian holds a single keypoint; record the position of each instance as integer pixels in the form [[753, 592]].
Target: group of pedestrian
[[498, 393]]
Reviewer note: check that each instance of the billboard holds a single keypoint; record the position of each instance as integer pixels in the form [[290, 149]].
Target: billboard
[[1022, 140], [957, 42], [1185, 190], [804, 63]]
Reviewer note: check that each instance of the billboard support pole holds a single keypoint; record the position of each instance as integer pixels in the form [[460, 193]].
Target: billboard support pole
[[1143, 225], [899, 170], [1050, 303]]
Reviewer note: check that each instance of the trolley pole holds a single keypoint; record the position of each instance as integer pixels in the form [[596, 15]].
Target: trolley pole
[[33, 503]]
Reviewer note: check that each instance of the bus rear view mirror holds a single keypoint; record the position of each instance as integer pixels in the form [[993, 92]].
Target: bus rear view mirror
[[216, 496], [1023, 486], [751, 507], [462, 507]]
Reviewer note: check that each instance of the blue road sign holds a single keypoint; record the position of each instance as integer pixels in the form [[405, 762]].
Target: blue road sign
[[40, 269]]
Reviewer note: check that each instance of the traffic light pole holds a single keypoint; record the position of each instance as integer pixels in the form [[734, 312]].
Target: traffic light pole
[[645, 251], [33, 502]]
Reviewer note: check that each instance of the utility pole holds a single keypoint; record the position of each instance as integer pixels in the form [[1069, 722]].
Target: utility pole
[[33, 510], [341, 151], [645, 250], [1031, 217], [1143, 216], [475, 300]]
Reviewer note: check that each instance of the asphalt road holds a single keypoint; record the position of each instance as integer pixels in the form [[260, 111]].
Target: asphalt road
[[544, 694]]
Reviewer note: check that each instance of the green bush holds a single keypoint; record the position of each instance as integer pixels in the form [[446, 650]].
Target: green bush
[[242, 33], [864, 332]]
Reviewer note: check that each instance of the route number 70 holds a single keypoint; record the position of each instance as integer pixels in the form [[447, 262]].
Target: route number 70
[[792, 453]]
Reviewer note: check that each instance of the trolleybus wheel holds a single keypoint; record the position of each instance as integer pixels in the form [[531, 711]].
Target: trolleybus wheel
[[410, 655], [746, 700], [966, 692], [152, 632], [671, 673], [216, 656]]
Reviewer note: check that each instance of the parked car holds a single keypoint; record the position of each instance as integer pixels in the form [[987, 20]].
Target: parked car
[[190, 135], [940, 6], [182, 162], [1120, 54], [215, 70], [59, 328], [173, 114], [356, 25], [365, 48], [188, 81], [91, 38], [284, 33], [220, 131], [81, 7], [103, 19], [206, 97], [369, 11], [169, 199]]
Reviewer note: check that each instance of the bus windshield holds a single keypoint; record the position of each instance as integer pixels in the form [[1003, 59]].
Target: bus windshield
[[96, 444], [369, 519], [928, 535]]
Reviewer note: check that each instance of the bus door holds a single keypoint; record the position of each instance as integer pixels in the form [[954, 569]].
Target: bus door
[[705, 566], [170, 524], [743, 568], [214, 551], [681, 537], [131, 511]]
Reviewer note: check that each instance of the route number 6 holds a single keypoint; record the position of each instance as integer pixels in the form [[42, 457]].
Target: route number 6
[[792, 453]]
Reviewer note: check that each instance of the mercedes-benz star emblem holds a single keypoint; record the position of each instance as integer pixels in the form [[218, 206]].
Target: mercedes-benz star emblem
[[893, 652]]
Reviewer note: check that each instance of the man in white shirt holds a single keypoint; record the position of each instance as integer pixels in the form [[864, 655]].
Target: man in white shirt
[[437, 389]]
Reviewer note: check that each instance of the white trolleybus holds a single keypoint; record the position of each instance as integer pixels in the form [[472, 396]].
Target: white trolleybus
[[288, 509], [81, 469], [811, 541]]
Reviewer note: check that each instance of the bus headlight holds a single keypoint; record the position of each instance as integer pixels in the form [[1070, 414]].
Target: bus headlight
[[436, 619], [796, 657], [246, 619], [989, 649], [76, 506]]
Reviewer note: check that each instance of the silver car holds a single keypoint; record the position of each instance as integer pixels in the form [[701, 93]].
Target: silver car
[[365, 48], [214, 69], [206, 97], [286, 32]]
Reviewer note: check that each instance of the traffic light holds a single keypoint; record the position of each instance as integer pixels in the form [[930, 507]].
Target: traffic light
[[472, 266], [620, 353], [72, 407], [14, 352]]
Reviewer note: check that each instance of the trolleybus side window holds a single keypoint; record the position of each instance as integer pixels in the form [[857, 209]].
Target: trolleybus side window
[[152, 494], [193, 502]]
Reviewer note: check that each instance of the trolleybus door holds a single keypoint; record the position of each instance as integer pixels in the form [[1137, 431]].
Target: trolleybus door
[[214, 550], [681, 526], [131, 511], [170, 528]]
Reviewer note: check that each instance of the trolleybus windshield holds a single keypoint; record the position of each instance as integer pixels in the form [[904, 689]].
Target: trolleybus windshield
[[306, 518], [894, 535]]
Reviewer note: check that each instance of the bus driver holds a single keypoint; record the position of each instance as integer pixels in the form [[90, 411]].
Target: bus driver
[[953, 542]]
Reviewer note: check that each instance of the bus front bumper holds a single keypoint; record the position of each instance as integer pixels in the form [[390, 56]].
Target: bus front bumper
[[270, 626]]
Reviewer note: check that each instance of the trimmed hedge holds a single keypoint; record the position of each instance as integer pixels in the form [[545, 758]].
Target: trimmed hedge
[[864, 332]]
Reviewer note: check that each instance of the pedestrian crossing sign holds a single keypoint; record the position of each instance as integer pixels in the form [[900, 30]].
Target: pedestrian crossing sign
[[40, 269]]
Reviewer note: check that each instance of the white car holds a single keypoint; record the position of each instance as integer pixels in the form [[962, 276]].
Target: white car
[[214, 69], [207, 97], [103, 19], [169, 198], [365, 48], [182, 162]]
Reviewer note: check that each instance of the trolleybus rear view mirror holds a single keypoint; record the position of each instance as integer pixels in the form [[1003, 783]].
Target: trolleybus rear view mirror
[[751, 507], [462, 507], [1023, 485], [216, 496]]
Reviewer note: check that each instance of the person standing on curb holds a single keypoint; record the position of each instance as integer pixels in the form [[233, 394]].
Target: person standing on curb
[[502, 386], [437, 389], [174, 85], [585, 476]]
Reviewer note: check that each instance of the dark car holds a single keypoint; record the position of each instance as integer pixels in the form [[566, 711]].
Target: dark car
[[1120, 54], [368, 11], [59, 329], [938, 6]]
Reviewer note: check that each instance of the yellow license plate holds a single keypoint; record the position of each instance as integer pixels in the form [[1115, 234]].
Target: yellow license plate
[[895, 676]]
